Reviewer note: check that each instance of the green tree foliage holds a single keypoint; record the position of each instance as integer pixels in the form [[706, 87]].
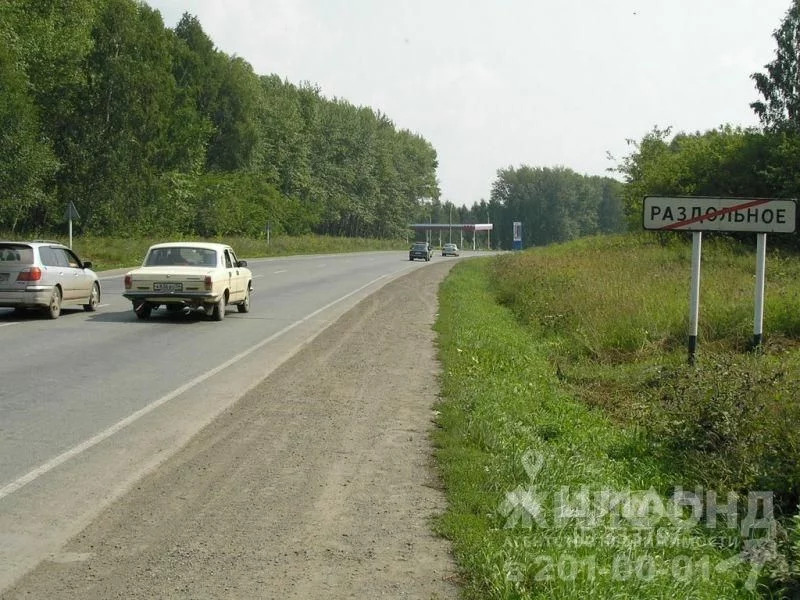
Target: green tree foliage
[[154, 131], [780, 85], [726, 162], [42, 45], [554, 205], [26, 161]]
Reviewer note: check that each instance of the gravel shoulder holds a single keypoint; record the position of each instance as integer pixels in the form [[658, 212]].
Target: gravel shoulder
[[319, 482]]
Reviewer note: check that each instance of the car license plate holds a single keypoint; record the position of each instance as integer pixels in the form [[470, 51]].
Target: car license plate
[[167, 286]]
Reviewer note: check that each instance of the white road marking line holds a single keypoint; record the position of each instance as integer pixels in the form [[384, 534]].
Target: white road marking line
[[7, 324], [102, 305], [51, 464], [281, 271]]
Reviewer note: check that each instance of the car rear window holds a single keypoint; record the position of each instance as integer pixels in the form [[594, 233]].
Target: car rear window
[[420, 246], [181, 256], [18, 254]]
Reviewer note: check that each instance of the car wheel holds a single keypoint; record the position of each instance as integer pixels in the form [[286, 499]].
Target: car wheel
[[244, 305], [219, 309], [54, 307], [94, 299], [142, 310]]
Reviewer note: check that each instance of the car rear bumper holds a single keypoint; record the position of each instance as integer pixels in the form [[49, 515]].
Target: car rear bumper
[[186, 298], [30, 297]]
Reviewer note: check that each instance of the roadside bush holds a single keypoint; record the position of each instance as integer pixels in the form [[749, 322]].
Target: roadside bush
[[729, 422]]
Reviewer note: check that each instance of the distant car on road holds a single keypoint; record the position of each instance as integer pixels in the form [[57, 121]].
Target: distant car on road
[[46, 276], [420, 250], [193, 275], [449, 250]]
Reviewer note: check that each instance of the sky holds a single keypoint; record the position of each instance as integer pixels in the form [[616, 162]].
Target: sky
[[493, 84]]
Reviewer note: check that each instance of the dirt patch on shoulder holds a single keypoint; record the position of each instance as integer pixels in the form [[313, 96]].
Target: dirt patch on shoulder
[[319, 483]]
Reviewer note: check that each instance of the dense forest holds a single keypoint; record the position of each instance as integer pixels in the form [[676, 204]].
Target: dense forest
[[150, 130]]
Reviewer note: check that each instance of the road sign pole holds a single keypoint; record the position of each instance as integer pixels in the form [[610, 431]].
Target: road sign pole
[[70, 233], [761, 263], [694, 294]]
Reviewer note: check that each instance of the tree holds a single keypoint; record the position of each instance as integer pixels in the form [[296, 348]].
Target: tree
[[780, 85], [554, 204], [26, 160]]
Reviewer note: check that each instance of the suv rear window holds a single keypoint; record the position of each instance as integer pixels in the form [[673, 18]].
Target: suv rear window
[[19, 254]]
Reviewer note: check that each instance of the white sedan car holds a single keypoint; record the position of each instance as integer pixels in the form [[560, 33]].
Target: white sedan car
[[449, 250], [189, 275]]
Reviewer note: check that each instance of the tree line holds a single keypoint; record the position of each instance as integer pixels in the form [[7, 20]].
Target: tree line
[[154, 131], [729, 161], [150, 130]]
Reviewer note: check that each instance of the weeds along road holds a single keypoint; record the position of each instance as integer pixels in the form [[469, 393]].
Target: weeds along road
[[318, 481]]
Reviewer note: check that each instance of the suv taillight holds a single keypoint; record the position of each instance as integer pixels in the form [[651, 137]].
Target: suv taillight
[[30, 274], [128, 282]]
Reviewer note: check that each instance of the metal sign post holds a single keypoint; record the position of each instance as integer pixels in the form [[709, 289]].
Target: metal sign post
[[694, 293], [761, 264], [698, 214], [72, 213]]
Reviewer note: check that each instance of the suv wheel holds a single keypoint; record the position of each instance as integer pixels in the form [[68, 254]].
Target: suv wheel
[[53, 309], [94, 299]]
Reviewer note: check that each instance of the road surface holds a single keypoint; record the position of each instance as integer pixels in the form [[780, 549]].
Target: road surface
[[91, 404]]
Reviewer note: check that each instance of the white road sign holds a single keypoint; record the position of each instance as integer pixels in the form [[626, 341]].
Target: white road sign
[[688, 213]]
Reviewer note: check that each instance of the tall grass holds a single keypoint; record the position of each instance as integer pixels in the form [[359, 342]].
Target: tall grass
[[510, 431], [622, 297], [577, 353]]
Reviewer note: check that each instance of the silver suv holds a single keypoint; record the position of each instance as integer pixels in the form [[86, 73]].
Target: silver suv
[[45, 275]]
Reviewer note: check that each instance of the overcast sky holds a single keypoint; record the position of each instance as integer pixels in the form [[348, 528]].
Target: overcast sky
[[498, 83]]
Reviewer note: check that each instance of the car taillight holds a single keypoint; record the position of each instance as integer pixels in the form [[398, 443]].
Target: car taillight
[[128, 282], [207, 282], [30, 274]]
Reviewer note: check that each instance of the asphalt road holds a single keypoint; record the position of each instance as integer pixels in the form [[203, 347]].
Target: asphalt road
[[91, 402]]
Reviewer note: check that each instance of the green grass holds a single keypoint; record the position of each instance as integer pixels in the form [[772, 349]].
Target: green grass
[[113, 253], [572, 358]]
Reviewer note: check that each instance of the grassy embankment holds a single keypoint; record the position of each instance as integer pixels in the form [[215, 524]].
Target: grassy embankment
[[566, 392], [112, 253]]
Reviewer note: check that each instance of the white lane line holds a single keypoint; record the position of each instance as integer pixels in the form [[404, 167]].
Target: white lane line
[[51, 464], [102, 305], [8, 324], [281, 271]]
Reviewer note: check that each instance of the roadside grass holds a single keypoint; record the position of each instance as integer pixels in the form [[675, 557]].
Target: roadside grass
[[565, 391], [114, 252]]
